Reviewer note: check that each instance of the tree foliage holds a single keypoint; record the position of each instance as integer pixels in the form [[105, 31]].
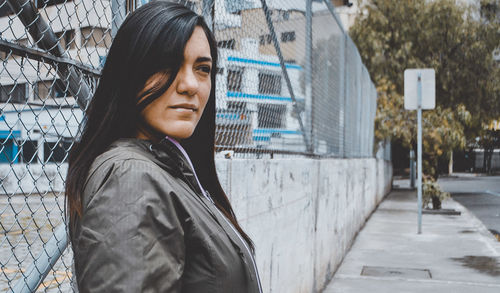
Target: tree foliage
[[457, 41]]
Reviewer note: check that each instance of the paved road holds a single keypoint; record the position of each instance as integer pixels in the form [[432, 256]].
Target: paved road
[[479, 194]]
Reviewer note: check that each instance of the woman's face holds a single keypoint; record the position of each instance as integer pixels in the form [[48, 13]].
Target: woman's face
[[177, 111]]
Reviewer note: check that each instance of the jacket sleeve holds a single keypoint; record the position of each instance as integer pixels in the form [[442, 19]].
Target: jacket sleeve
[[131, 237]]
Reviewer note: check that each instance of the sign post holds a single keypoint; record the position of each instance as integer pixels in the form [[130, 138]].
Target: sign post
[[421, 82], [419, 150]]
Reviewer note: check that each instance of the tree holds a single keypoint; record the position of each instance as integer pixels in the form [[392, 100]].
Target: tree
[[447, 36]]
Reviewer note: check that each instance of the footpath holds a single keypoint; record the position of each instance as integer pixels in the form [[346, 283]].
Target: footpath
[[454, 253]]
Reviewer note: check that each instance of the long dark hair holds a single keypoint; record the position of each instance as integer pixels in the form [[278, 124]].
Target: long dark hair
[[151, 40]]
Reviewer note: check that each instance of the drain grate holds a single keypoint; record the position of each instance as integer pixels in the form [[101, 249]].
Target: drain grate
[[396, 272]]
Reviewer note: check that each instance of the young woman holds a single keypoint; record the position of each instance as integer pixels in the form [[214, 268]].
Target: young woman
[[147, 211]]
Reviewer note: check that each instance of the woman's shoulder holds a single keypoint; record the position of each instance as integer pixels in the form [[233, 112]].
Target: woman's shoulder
[[122, 152], [127, 159]]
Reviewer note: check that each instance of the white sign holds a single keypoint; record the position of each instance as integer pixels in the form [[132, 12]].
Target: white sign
[[428, 88]]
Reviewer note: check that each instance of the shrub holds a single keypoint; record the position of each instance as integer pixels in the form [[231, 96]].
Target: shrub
[[431, 192]]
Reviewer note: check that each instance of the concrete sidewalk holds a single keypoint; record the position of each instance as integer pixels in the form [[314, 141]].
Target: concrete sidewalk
[[453, 254]]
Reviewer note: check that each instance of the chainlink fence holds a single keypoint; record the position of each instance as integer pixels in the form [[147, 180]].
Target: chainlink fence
[[290, 82]]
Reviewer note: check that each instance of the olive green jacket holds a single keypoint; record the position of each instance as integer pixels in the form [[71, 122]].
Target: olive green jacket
[[146, 227]]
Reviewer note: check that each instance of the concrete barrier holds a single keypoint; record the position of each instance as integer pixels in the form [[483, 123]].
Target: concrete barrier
[[32, 178], [303, 214]]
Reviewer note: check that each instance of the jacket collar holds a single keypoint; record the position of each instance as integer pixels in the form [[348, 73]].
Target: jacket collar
[[171, 159], [163, 153]]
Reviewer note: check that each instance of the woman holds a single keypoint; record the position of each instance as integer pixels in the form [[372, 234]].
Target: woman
[[147, 212]]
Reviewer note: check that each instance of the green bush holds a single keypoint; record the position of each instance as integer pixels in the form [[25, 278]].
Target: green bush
[[431, 192]]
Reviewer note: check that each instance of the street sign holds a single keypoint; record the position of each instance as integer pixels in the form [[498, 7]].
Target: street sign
[[428, 83], [420, 93]]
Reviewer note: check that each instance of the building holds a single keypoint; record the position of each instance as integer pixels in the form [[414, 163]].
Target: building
[[254, 104], [38, 117]]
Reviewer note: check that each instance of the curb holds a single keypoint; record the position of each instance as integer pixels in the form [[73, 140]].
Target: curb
[[493, 244]]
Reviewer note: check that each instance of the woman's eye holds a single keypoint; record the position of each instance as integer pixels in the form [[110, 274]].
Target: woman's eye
[[205, 69]]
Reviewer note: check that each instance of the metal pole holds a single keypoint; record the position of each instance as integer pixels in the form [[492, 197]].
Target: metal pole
[[42, 265], [419, 151], [346, 152], [285, 72], [342, 95], [308, 75], [46, 39], [331, 8], [412, 168]]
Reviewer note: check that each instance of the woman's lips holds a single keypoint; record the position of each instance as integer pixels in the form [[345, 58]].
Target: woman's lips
[[184, 110], [184, 107]]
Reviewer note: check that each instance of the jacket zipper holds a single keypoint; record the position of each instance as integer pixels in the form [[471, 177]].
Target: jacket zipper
[[220, 213], [248, 249]]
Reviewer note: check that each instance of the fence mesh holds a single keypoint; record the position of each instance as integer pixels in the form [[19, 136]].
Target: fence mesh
[[289, 82]]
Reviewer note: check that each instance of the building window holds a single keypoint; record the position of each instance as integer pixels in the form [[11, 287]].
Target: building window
[[50, 89], [238, 106], [287, 37], [29, 151], [227, 44], [234, 79], [269, 83], [66, 39], [96, 37], [14, 93], [265, 39], [56, 152], [286, 15], [271, 115]]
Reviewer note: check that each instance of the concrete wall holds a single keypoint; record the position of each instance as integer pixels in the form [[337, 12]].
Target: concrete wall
[[32, 178], [303, 214]]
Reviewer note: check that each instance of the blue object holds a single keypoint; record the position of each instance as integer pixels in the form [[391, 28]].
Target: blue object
[[265, 63], [259, 97]]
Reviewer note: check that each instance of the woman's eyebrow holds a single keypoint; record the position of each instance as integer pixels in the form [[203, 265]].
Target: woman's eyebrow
[[203, 59]]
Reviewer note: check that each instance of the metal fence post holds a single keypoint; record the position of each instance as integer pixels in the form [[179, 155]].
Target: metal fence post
[[309, 103], [42, 265], [347, 151], [47, 40], [342, 93]]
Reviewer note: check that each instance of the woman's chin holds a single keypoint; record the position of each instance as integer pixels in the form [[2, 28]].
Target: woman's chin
[[181, 133]]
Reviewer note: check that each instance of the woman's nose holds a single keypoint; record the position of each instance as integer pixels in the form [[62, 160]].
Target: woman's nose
[[188, 83]]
